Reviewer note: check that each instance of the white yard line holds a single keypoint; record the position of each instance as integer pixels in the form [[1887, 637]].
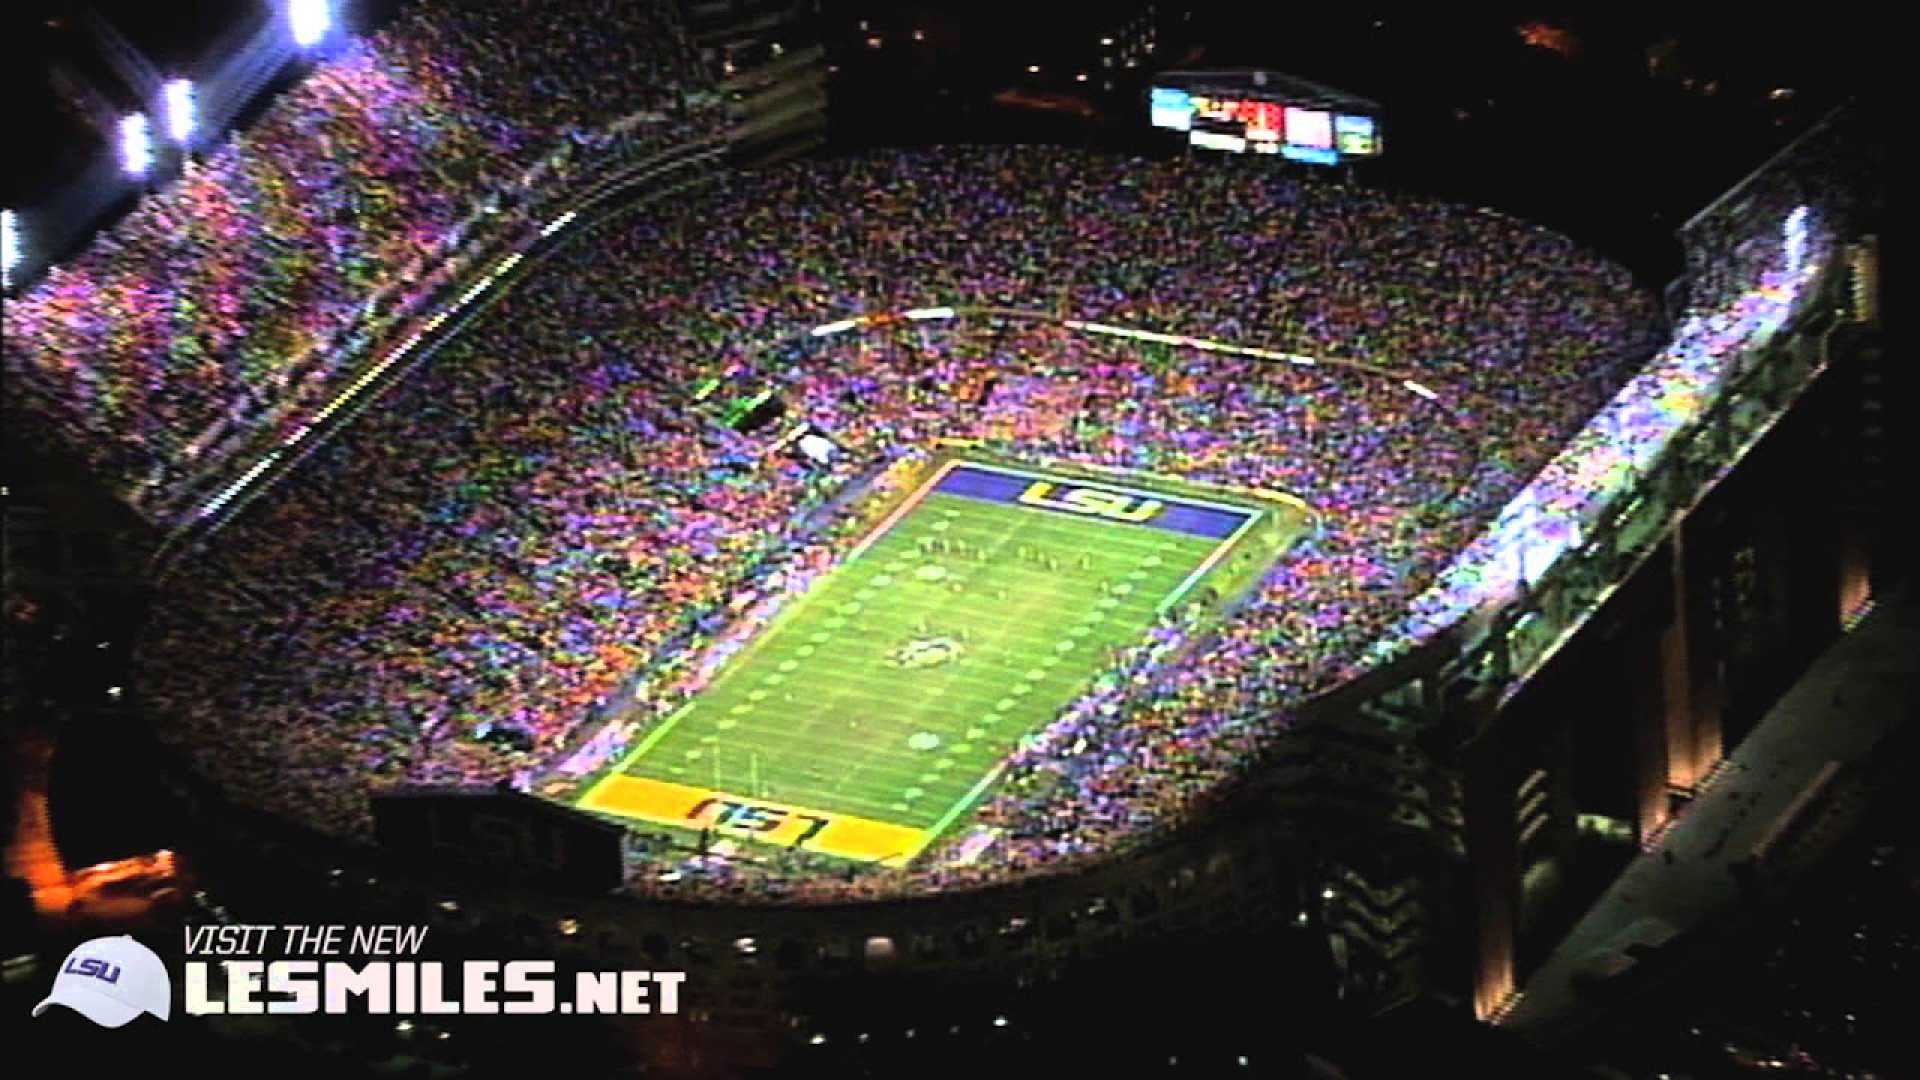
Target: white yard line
[[867, 694]]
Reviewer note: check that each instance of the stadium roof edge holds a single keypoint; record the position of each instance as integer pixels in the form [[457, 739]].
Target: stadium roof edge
[[532, 803], [1835, 115], [1262, 81]]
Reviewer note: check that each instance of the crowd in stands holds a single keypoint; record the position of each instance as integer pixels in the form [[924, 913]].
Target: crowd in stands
[[220, 306], [1778, 217], [548, 515], [1757, 258]]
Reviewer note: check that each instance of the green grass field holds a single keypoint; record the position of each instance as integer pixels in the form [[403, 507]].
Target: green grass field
[[890, 692]]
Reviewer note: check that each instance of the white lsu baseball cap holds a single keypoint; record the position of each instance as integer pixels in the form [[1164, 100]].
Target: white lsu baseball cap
[[110, 981]]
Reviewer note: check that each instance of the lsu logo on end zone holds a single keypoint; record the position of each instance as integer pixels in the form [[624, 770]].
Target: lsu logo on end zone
[[1088, 500], [1092, 502], [842, 835]]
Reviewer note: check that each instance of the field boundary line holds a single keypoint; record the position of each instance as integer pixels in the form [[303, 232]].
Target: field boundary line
[[659, 732], [1200, 571], [934, 831], [919, 495]]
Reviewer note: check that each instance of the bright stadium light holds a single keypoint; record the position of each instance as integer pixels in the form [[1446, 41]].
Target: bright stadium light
[[136, 144], [1796, 231], [178, 97], [9, 246], [309, 20]]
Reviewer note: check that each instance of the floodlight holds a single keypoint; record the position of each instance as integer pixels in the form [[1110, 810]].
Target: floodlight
[[178, 97], [9, 246], [136, 144], [309, 20]]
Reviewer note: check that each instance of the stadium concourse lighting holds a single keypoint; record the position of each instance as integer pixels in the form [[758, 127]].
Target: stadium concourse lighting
[[1796, 230], [136, 144], [178, 96], [309, 20]]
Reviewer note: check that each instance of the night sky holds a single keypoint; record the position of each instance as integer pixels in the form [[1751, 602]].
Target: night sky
[[1611, 125]]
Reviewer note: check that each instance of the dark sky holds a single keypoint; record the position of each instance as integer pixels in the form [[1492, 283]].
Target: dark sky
[[1582, 135], [49, 42], [1587, 135], [50, 46]]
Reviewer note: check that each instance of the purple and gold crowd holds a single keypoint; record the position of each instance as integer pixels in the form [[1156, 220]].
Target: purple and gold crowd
[[529, 536], [220, 305]]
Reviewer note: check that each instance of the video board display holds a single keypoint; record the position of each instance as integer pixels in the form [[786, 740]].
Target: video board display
[[1355, 135], [1247, 125], [1171, 108], [1218, 140], [1311, 128]]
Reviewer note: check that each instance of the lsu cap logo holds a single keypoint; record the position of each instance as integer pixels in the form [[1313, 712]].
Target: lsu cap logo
[[110, 981]]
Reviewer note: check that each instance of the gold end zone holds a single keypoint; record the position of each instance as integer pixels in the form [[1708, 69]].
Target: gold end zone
[[841, 835]]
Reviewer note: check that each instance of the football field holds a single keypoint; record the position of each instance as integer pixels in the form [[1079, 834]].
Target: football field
[[878, 707]]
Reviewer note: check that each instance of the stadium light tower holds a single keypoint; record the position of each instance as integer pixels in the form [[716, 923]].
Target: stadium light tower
[[178, 97], [309, 20], [9, 247], [136, 144]]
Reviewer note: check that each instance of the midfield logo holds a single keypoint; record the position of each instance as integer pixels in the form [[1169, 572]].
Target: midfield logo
[[1092, 502]]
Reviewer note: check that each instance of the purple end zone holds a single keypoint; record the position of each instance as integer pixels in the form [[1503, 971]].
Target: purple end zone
[[1064, 496]]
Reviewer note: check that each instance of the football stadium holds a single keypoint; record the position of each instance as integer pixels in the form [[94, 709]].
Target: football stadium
[[997, 596], [801, 532], [606, 557], [870, 524]]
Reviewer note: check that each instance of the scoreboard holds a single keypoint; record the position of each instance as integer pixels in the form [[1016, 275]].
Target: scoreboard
[[1268, 120]]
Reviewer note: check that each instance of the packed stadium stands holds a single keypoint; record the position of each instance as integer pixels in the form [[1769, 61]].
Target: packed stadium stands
[[220, 305], [546, 512]]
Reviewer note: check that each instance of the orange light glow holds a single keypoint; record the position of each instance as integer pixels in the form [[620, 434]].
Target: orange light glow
[[1551, 38], [118, 891]]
